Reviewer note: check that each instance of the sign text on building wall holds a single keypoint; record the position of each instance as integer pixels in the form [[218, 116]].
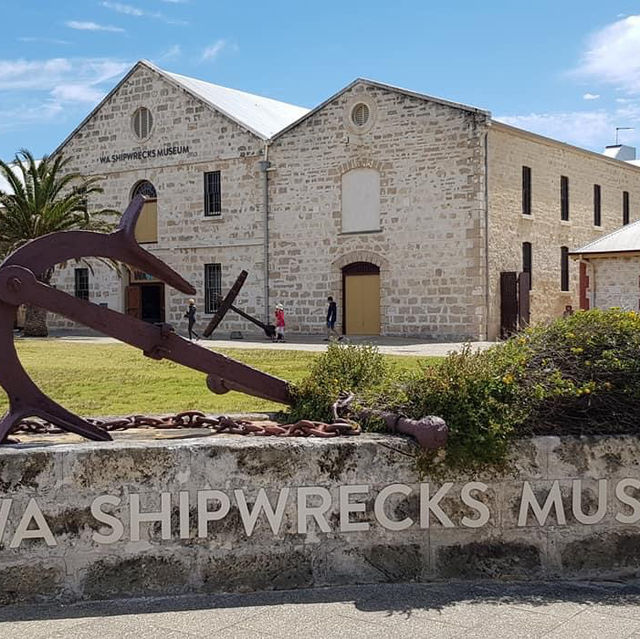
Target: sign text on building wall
[[144, 154]]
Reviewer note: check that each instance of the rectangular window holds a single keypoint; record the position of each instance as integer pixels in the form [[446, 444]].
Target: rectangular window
[[527, 261], [597, 205], [212, 194], [625, 207], [564, 198], [82, 283], [212, 287], [526, 190], [564, 268]]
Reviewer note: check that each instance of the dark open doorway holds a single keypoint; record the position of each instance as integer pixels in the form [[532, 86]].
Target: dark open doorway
[[146, 302]]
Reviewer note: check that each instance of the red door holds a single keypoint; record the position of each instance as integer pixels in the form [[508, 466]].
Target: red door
[[584, 287]]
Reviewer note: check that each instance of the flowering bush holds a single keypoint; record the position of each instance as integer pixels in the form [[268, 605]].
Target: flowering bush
[[577, 375]]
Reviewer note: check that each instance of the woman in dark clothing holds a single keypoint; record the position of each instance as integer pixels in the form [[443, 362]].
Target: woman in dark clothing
[[191, 316]]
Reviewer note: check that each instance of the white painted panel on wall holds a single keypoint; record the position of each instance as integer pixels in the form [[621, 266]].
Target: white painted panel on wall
[[360, 200]]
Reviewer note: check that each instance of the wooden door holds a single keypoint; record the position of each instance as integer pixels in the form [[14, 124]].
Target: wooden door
[[147, 226], [524, 302], [133, 298], [362, 304], [508, 303]]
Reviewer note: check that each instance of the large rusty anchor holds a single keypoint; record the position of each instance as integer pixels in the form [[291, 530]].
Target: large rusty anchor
[[19, 285], [225, 304]]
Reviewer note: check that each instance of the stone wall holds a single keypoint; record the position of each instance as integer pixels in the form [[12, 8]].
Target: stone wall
[[615, 282], [509, 150], [186, 238], [112, 519], [430, 243]]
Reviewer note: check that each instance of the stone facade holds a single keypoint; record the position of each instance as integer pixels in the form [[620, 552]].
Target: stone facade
[[449, 207], [509, 150], [186, 238], [614, 281], [428, 248]]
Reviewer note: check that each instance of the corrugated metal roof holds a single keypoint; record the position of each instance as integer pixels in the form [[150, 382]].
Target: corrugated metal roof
[[624, 240], [263, 116]]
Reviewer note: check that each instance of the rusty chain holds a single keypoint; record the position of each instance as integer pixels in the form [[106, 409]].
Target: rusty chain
[[222, 424]]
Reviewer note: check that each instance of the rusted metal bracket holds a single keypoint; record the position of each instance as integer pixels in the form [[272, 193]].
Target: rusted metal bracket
[[19, 285]]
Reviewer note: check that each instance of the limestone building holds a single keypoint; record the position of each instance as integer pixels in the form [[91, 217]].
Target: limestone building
[[418, 215], [610, 270]]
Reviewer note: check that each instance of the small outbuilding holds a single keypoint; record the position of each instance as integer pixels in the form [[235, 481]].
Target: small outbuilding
[[610, 270]]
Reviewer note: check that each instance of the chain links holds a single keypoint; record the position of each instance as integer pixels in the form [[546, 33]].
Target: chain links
[[222, 424], [197, 419]]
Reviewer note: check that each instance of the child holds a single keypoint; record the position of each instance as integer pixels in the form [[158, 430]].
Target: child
[[279, 323]]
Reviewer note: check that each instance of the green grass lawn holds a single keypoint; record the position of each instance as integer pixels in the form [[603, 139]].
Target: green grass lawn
[[112, 379]]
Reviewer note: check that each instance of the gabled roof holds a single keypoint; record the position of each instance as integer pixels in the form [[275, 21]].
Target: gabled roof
[[261, 116], [388, 87], [624, 240]]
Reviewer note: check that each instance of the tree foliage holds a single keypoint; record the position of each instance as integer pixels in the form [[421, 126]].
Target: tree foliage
[[45, 197]]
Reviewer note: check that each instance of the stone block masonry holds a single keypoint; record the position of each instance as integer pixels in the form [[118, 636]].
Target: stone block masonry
[[221, 514]]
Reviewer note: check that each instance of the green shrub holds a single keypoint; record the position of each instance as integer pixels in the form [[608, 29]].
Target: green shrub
[[577, 375], [583, 374], [356, 368]]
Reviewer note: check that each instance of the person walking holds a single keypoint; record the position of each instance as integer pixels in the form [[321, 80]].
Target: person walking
[[332, 316], [191, 317], [279, 323]]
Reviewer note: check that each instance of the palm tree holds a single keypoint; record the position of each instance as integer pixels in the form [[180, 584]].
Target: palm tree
[[44, 197]]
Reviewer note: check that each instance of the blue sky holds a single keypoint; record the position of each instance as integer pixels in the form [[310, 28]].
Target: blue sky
[[565, 68]]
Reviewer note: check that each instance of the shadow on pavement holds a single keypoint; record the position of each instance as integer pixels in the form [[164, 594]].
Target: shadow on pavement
[[394, 599]]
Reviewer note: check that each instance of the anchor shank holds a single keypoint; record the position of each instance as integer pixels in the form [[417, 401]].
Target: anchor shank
[[19, 286]]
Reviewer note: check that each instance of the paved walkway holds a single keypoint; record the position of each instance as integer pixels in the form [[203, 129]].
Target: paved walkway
[[437, 611], [387, 345]]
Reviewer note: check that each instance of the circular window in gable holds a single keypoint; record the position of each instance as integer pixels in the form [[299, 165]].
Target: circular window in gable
[[360, 114], [142, 123]]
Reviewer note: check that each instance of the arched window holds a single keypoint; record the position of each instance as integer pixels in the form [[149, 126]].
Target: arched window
[[144, 187], [147, 226], [360, 201]]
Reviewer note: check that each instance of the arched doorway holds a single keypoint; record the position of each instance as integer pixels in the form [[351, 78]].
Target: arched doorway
[[361, 298], [145, 294]]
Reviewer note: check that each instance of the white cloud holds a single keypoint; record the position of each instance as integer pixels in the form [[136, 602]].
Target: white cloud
[[77, 93], [172, 53], [176, 1], [45, 40], [589, 129], [590, 96], [613, 55], [127, 9], [12, 118], [42, 90], [211, 52], [92, 26], [130, 10]]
